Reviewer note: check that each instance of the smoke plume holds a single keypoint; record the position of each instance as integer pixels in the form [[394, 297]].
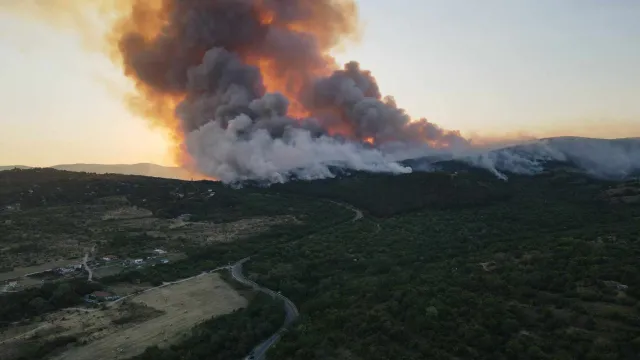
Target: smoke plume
[[257, 95], [248, 89]]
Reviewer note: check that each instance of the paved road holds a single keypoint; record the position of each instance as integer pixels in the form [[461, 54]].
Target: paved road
[[291, 312], [86, 267]]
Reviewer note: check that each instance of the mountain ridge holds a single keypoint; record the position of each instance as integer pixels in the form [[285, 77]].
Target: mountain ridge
[[604, 158], [143, 169]]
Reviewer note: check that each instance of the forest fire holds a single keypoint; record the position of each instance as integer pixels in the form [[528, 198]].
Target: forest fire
[[248, 89]]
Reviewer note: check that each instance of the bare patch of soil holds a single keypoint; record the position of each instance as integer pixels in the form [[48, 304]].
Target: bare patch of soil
[[183, 306]]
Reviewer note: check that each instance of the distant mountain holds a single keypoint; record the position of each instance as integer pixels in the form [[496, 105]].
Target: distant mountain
[[10, 167], [144, 169]]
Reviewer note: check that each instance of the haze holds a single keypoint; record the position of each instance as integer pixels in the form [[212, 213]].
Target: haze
[[537, 68]]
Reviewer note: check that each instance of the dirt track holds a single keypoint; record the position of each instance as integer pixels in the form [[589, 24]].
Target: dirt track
[[184, 304]]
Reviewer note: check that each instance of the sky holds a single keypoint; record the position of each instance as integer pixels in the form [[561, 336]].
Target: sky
[[489, 68]]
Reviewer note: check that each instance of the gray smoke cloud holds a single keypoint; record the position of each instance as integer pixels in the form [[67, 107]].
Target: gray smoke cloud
[[352, 96], [233, 129], [235, 135], [206, 51], [236, 131]]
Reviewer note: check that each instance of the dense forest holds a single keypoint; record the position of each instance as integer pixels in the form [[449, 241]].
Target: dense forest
[[16, 306], [442, 266]]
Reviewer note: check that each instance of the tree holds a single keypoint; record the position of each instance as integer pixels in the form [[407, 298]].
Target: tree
[[39, 305], [64, 296]]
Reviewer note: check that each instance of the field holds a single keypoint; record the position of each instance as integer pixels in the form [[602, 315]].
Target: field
[[157, 317]]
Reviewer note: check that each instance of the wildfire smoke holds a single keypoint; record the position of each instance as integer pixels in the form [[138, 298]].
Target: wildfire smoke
[[247, 87]]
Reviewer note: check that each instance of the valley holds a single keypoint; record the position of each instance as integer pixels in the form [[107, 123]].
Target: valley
[[424, 265]]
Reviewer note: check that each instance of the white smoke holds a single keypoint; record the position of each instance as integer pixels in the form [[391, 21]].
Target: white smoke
[[238, 153], [601, 158]]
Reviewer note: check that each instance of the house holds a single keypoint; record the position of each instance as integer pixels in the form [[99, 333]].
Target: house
[[14, 207], [616, 285], [65, 270], [184, 217], [159, 251], [109, 258], [100, 296]]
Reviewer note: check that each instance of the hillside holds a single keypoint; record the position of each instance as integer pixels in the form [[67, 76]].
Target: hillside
[[455, 264], [143, 169]]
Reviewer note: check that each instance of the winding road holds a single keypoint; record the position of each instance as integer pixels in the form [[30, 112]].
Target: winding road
[[357, 213], [291, 312], [86, 267], [85, 260]]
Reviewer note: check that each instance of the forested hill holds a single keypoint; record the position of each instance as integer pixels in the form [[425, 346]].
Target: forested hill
[[455, 265]]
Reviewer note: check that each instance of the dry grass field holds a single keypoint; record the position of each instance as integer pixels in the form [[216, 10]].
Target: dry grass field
[[182, 305], [156, 317]]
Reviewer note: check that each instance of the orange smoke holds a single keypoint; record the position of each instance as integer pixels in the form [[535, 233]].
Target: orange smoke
[[329, 26], [138, 29], [147, 19], [289, 83], [156, 42]]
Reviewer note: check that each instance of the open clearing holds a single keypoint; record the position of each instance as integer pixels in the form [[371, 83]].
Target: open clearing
[[22, 271], [184, 305]]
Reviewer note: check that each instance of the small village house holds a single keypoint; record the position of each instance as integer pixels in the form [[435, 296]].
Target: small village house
[[100, 296]]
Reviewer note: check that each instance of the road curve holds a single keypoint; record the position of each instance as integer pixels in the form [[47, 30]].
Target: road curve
[[357, 213], [86, 267], [291, 312]]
